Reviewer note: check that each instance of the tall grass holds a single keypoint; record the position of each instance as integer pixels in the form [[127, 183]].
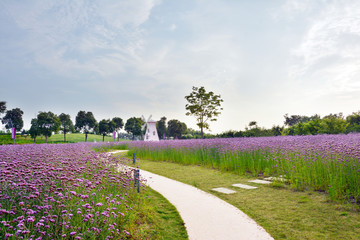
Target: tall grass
[[329, 163]]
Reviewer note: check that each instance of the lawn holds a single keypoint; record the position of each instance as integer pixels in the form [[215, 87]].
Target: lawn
[[284, 212], [56, 138]]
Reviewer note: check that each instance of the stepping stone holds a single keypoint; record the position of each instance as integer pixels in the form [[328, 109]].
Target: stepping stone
[[280, 179], [224, 190], [244, 186], [260, 181]]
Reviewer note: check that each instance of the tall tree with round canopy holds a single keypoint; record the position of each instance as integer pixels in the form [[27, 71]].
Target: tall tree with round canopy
[[205, 106]]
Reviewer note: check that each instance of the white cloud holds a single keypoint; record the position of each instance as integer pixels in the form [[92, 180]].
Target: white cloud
[[69, 36], [330, 49]]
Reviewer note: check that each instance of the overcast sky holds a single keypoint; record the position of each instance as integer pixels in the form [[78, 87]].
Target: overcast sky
[[140, 57]]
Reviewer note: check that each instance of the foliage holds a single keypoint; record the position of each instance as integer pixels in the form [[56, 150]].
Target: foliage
[[2, 107], [161, 128], [354, 122], [205, 106], [119, 123], [86, 122], [66, 124], [47, 123], [176, 128], [333, 125], [106, 127], [34, 129], [13, 118], [133, 125]]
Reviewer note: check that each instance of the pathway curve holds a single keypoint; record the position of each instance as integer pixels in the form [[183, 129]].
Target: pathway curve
[[206, 217]]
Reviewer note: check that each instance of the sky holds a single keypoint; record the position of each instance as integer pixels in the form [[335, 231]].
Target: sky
[[126, 58]]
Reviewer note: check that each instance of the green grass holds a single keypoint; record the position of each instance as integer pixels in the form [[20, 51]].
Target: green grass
[[167, 223], [56, 138], [283, 212]]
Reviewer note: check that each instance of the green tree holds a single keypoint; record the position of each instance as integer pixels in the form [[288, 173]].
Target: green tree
[[312, 127], [106, 127], [354, 122], [176, 128], [161, 127], [133, 126], [66, 125], [333, 124], [276, 130], [292, 120], [253, 124], [34, 129], [13, 118], [48, 122], [2, 107], [86, 122], [118, 125], [205, 106]]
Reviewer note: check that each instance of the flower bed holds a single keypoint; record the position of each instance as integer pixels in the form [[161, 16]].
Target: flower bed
[[65, 191], [328, 163]]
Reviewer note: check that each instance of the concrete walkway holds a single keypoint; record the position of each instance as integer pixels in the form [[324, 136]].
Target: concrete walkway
[[206, 217]]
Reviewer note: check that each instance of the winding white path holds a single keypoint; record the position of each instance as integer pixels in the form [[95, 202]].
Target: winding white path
[[206, 217]]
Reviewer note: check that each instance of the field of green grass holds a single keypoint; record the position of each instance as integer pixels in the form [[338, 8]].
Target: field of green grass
[[56, 138]]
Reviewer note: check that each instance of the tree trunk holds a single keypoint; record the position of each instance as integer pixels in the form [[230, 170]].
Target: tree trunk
[[202, 133], [46, 139], [85, 136], [34, 139], [103, 137], [118, 136], [64, 136]]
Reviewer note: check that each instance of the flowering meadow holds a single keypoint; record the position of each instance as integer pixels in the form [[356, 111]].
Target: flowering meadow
[[65, 191], [329, 163]]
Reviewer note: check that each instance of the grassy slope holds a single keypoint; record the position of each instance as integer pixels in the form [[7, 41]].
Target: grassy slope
[[56, 138], [284, 213], [167, 223]]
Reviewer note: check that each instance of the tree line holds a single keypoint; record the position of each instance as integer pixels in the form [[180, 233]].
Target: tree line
[[303, 125], [47, 123]]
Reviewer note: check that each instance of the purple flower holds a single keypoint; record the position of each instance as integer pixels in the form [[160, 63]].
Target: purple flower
[[30, 219]]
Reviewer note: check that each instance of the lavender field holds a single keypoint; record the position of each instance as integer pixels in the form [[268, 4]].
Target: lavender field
[[65, 191], [329, 163]]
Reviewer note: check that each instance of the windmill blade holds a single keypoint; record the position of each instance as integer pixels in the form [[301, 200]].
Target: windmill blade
[[149, 117], [143, 118], [143, 127]]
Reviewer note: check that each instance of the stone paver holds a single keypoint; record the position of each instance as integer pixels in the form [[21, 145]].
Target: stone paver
[[224, 190], [244, 186], [260, 181], [279, 179]]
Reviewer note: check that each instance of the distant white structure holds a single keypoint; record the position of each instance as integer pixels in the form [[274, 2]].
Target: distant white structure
[[151, 132]]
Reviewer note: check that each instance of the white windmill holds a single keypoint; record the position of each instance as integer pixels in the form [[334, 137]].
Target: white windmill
[[151, 132]]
